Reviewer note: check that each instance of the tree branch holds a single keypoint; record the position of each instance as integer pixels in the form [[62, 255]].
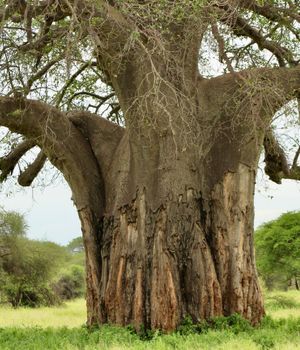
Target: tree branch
[[295, 161], [70, 148], [267, 11], [30, 173], [8, 163], [71, 80], [241, 27], [271, 12], [268, 88], [102, 99], [40, 73], [276, 162], [277, 167], [103, 135]]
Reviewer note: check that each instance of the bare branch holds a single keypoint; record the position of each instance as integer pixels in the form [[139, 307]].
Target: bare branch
[[102, 99], [30, 173], [295, 160], [241, 27], [40, 73], [8, 163], [222, 54], [71, 80]]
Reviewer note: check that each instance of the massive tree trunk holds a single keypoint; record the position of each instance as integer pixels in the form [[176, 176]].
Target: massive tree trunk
[[176, 238], [166, 205], [176, 234]]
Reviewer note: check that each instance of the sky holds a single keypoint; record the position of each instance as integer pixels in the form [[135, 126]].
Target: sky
[[51, 215]]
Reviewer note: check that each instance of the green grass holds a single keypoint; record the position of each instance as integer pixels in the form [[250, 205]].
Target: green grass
[[61, 328], [283, 304]]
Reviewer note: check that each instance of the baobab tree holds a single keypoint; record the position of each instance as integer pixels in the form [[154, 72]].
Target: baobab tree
[[165, 198]]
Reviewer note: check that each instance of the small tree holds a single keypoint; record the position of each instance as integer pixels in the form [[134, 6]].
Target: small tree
[[12, 225], [71, 284], [76, 245], [278, 251], [28, 270]]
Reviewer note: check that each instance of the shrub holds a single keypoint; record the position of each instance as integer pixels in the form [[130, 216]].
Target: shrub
[[26, 266], [70, 285]]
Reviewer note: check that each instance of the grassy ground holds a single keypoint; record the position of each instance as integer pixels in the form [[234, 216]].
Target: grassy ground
[[72, 314], [60, 328]]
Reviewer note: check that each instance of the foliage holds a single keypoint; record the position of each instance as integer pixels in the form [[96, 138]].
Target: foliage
[[70, 285], [28, 267], [12, 224], [76, 245], [278, 250], [235, 323], [27, 271]]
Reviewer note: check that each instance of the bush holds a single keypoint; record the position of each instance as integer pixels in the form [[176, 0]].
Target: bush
[[26, 272], [29, 296], [70, 285], [26, 266], [235, 323]]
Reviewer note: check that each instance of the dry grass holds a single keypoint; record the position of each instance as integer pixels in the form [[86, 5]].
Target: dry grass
[[72, 314]]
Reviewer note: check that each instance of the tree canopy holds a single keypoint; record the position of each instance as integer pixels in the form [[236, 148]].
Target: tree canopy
[[71, 55], [12, 224], [278, 249]]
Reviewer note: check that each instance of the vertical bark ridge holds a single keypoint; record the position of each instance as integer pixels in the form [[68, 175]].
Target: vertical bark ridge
[[231, 230], [91, 230], [159, 267]]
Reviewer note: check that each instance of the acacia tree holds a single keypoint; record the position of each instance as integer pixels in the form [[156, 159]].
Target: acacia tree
[[277, 245], [166, 199]]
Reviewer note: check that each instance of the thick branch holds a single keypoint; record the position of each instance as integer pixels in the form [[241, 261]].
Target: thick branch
[[8, 163], [277, 167], [72, 149], [276, 162], [103, 135], [261, 91], [31, 172]]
